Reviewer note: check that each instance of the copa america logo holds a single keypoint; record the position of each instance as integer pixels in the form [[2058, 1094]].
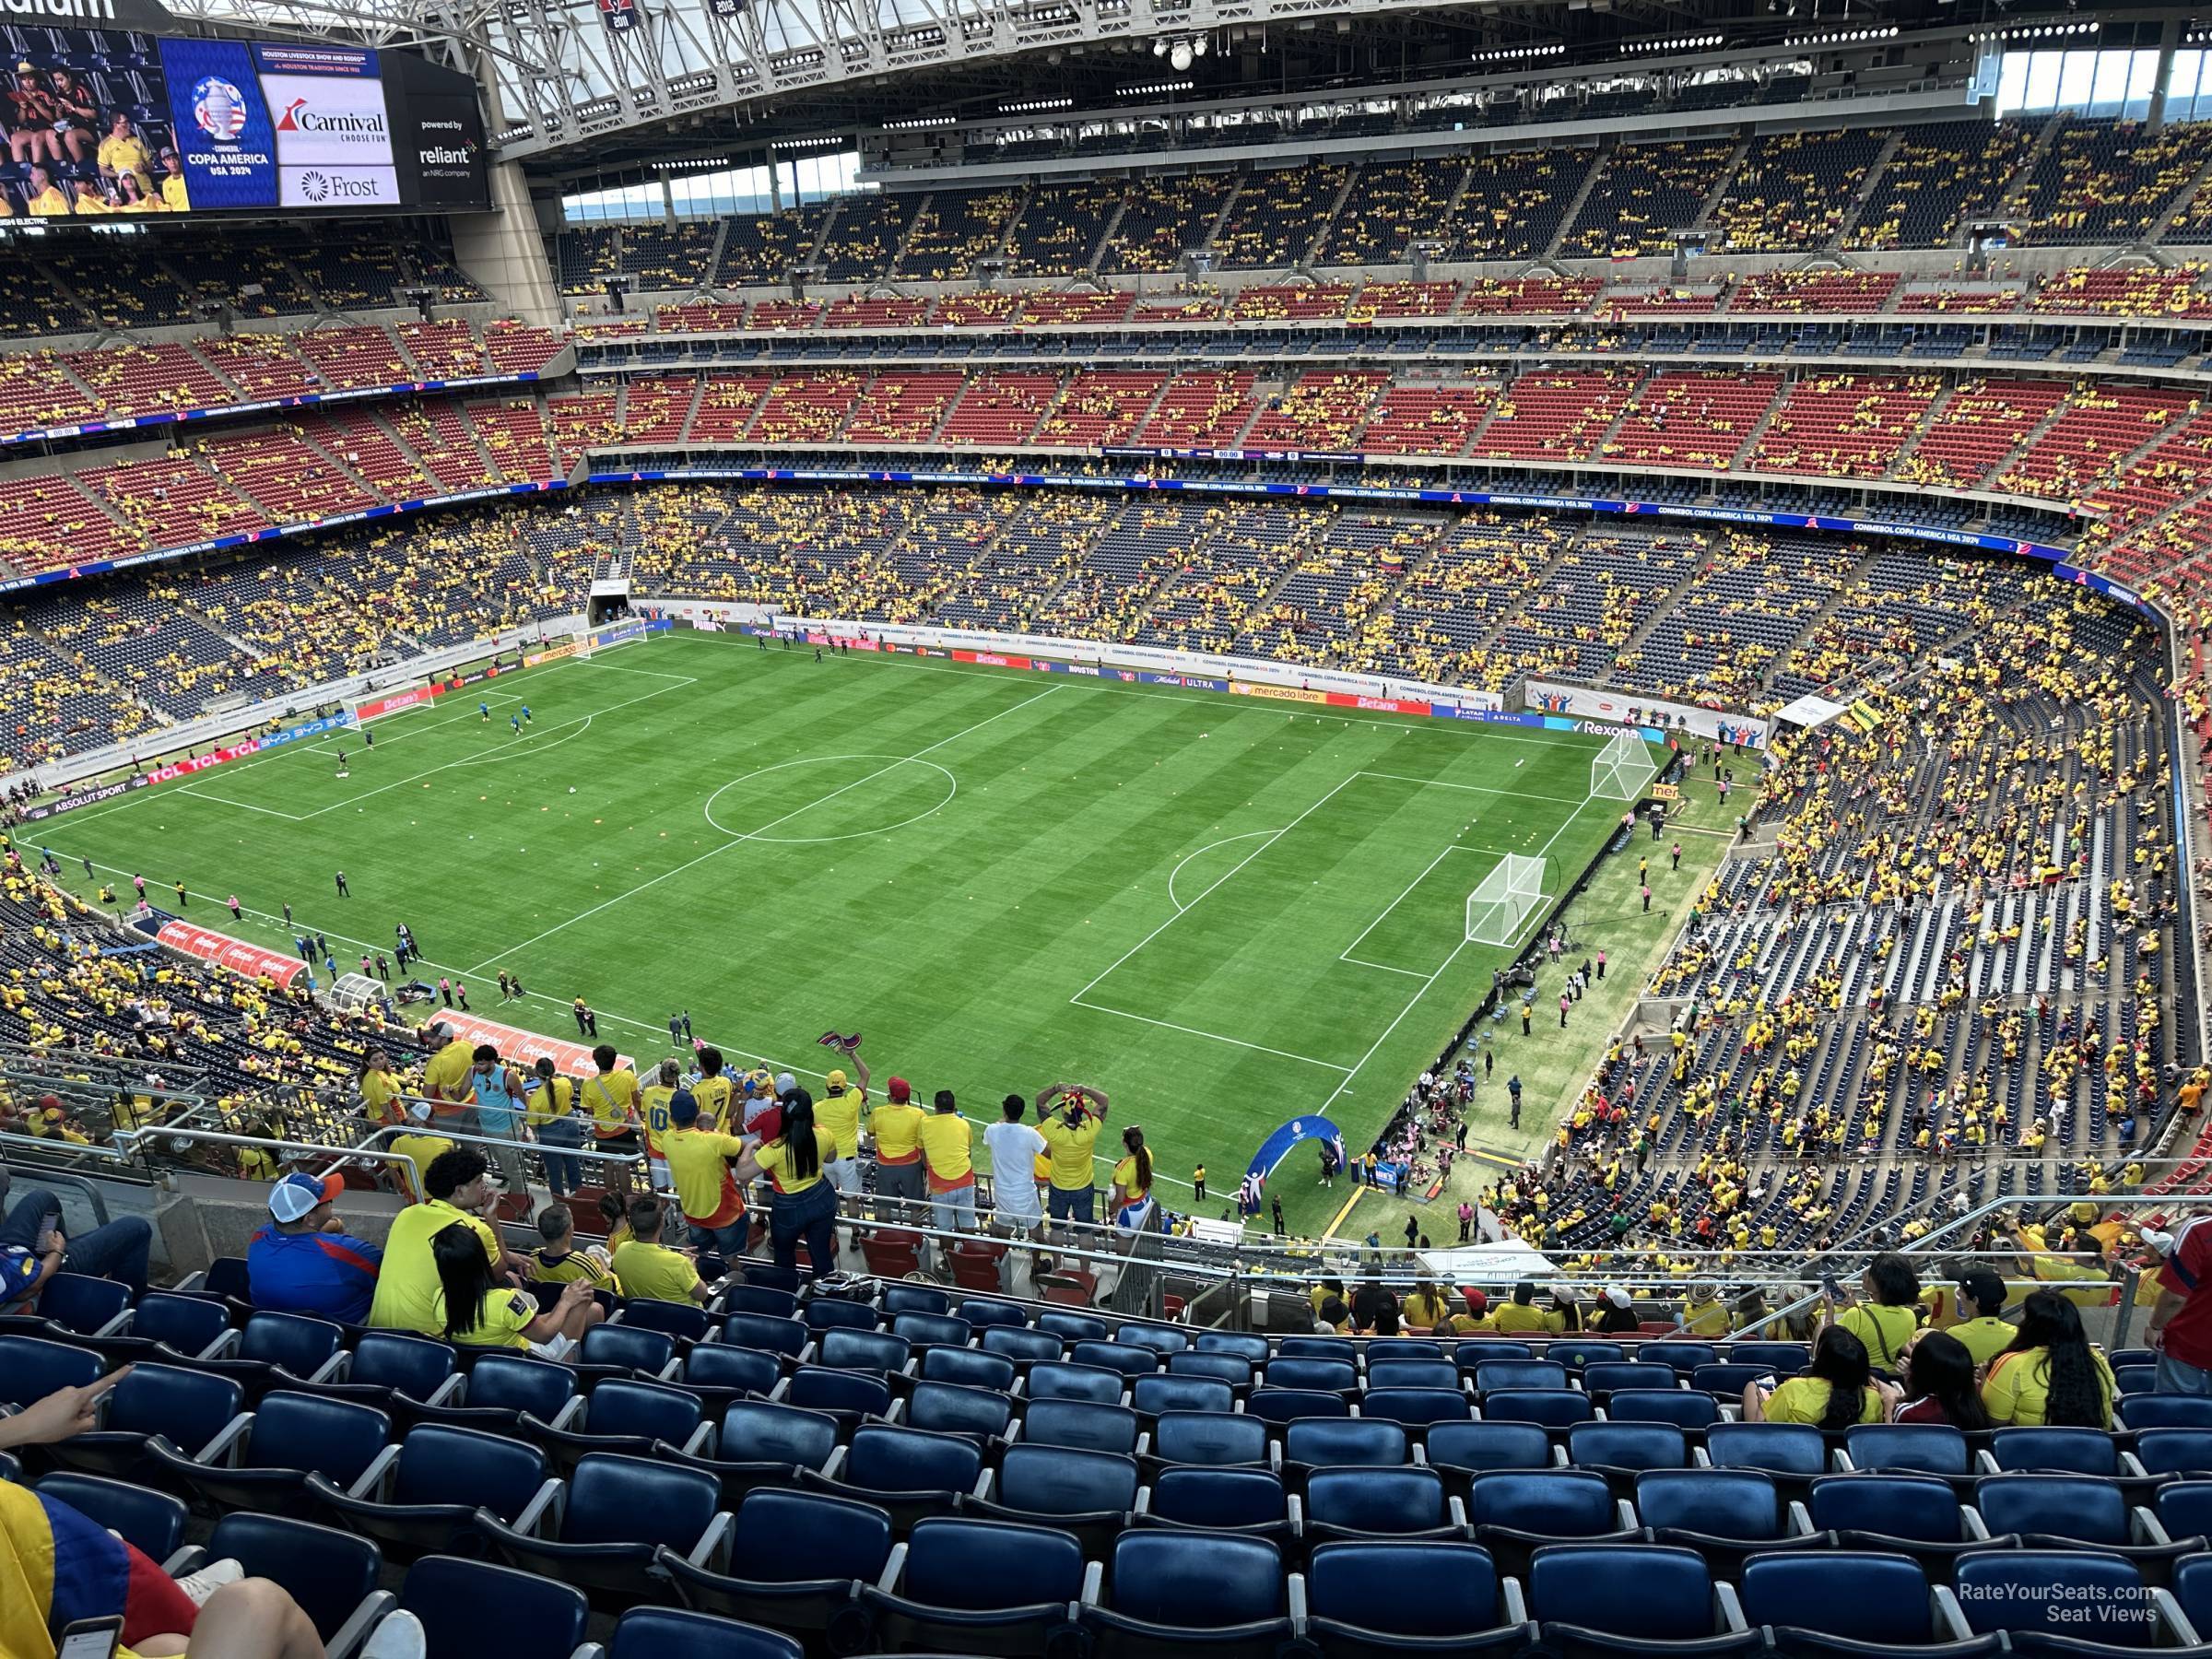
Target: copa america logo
[[219, 108]]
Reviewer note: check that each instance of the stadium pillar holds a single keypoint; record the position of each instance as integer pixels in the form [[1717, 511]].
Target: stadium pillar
[[2169, 36], [501, 253]]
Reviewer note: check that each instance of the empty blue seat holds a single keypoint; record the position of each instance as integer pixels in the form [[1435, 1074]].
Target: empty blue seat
[[984, 1314], [1154, 1394], [1394, 1502], [947, 1409], [1058, 1380], [980, 1587], [1790, 1449], [1326, 1443], [1074, 1327], [275, 1350], [1174, 1590], [880, 1352], [627, 1348], [798, 1562], [1244, 1346], [762, 1300], [1281, 1405], [1416, 1409], [1722, 1514], [403, 1368], [932, 1330], [1080, 1423], [1606, 1376], [1245, 1500], [719, 1366], [2075, 1451], [189, 1326], [2050, 1601], [1628, 1446], [1577, 1353], [1486, 1445], [1684, 1407], [262, 1461], [187, 1408], [2169, 1450], [1073, 1486], [1372, 1598], [331, 1574], [766, 1332], [1231, 1368], [1651, 1595], [1920, 1448], [1162, 1339], [501, 1388], [2164, 1411], [152, 1522], [625, 1417], [31, 1368], [2192, 1590], [2184, 1508], [687, 1322], [1551, 1407], [1411, 1373], [1494, 1374], [2059, 1511], [851, 1397], [1682, 1356], [655, 1632], [1332, 1376], [1208, 1437], [970, 1367], [1514, 1512], [1021, 1344], [1784, 1358], [920, 1299], [1725, 1382], [619, 1511], [1851, 1603], [836, 1313], [537, 1618], [1319, 1348], [1479, 1351], [425, 1497], [83, 1304], [908, 1472]]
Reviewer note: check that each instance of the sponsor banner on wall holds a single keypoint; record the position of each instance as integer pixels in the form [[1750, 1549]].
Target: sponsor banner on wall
[[1652, 714], [83, 797], [516, 1044], [412, 697], [1281, 693], [204, 945]]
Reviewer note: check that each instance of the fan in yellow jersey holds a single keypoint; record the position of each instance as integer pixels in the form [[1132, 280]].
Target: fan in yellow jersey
[[700, 1159], [46, 198], [558, 1262], [476, 1309], [175, 196], [611, 1097], [652, 1107], [649, 1268], [713, 1090], [134, 197], [896, 1127], [123, 151], [839, 1110]]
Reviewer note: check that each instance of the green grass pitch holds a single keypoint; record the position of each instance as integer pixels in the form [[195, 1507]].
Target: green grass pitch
[[1225, 912]]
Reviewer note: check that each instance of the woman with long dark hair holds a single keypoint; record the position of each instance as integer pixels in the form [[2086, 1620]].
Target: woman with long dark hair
[[1939, 1384], [1132, 1181], [1836, 1391], [2049, 1373], [482, 1312], [795, 1162]]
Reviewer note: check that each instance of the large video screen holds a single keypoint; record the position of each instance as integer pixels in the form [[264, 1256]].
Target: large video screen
[[106, 123]]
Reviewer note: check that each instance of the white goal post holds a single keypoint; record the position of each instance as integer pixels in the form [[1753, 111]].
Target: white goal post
[[1499, 908], [1621, 768]]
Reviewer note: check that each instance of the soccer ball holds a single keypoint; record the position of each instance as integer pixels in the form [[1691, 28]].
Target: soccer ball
[[571, 789]]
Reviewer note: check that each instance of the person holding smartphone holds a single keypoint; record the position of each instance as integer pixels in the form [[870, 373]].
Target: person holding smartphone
[[34, 1247]]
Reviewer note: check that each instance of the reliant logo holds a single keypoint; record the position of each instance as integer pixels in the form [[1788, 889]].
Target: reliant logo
[[298, 118], [97, 10], [439, 156]]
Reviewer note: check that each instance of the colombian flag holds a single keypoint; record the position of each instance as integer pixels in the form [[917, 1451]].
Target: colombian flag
[[57, 1565]]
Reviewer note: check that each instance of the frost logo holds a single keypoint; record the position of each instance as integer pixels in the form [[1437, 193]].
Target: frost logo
[[220, 109], [315, 187]]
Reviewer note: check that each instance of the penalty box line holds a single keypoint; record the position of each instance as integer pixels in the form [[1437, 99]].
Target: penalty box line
[[1345, 954]]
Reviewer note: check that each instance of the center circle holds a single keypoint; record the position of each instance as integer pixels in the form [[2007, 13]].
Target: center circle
[[856, 771]]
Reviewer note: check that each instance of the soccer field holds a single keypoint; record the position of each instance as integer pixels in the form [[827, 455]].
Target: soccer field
[[1225, 912]]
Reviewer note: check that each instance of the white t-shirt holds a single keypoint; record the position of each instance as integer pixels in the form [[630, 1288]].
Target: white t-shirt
[[1014, 1148]]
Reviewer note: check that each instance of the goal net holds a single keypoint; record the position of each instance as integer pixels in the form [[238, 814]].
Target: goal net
[[1501, 907], [1621, 768]]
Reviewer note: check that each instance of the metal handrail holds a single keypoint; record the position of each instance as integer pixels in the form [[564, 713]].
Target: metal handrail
[[223, 1138]]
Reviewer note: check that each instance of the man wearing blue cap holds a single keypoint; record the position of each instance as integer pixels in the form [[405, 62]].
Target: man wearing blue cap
[[706, 1186], [304, 1261]]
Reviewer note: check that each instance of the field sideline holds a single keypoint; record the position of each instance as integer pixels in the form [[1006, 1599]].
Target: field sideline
[[1225, 912]]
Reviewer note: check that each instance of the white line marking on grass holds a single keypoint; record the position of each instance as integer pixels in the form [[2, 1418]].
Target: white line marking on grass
[[952, 789], [1345, 954], [1209, 846], [1273, 836], [1385, 966], [755, 835], [1428, 985], [1212, 1036], [202, 795], [1526, 794]]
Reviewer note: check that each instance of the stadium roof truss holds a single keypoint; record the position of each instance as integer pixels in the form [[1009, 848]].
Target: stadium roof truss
[[562, 74]]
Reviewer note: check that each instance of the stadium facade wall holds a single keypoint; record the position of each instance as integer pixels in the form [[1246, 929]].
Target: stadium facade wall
[[1557, 697]]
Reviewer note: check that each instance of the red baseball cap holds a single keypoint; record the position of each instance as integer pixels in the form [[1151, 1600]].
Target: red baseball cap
[[899, 1089]]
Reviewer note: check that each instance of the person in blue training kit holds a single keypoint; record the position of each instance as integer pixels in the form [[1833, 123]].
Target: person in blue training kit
[[304, 1261], [516, 721], [526, 713], [483, 709]]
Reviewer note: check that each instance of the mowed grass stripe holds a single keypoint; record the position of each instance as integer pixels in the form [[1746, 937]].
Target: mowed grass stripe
[[954, 942]]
